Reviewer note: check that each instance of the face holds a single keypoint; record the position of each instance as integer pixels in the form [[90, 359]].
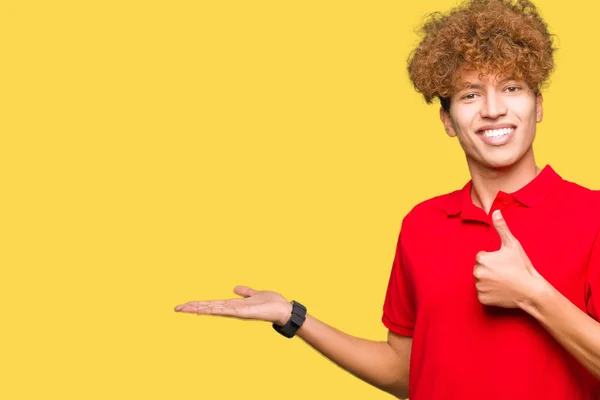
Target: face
[[494, 120]]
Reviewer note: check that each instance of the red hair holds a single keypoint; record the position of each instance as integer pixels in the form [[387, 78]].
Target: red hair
[[490, 36]]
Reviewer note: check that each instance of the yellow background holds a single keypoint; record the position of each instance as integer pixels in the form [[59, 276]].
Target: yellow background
[[155, 152]]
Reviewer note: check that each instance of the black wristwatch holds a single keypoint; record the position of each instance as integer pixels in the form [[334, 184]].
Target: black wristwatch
[[294, 323]]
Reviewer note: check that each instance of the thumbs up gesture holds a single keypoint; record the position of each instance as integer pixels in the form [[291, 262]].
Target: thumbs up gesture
[[505, 278]]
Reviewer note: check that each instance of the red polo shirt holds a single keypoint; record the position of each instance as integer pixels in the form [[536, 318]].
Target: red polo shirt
[[464, 350]]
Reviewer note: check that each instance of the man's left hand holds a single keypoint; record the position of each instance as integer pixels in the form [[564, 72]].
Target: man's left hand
[[505, 278]]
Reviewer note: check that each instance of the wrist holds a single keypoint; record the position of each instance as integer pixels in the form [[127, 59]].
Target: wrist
[[296, 319], [285, 314], [536, 296]]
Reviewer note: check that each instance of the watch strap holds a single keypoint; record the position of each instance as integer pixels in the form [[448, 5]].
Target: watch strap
[[294, 323]]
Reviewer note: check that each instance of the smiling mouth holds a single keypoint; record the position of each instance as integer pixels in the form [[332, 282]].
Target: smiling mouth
[[497, 137], [496, 133]]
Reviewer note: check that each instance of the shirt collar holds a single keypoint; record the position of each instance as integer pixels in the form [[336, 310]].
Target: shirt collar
[[529, 195]]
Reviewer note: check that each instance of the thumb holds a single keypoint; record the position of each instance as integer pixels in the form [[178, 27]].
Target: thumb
[[505, 234], [244, 291]]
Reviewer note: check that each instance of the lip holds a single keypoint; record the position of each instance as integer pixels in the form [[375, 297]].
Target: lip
[[495, 126], [497, 141]]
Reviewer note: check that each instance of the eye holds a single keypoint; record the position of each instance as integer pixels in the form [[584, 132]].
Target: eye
[[469, 96], [513, 89]]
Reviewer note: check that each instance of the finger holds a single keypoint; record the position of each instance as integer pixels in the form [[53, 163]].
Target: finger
[[216, 309], [478, 272], [188, 308], [244, 291], [479, 287], [198, 304], [208, 309], [483, 298], [229, 308], [505, 234], [195, 306], [481, 258]]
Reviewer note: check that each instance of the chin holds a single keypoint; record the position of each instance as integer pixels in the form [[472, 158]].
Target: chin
[[500, 157], [501, 162]]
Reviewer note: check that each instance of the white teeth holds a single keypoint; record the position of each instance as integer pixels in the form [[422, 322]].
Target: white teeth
[[494, 133]]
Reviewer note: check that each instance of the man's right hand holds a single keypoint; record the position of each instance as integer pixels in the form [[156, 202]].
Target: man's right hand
[[258, 305], [384, 365]]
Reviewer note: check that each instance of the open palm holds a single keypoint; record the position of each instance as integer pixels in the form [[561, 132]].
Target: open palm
[[259, 305]]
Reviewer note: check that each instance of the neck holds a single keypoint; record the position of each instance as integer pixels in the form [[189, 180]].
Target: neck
[[487, 182]]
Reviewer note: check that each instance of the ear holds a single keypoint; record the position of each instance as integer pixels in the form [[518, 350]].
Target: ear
[[447, 121], [539, 109]]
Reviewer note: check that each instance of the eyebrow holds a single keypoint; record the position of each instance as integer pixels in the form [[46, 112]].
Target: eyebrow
[[469, 85]]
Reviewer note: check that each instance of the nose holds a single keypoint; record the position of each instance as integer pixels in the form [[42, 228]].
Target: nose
[[493, 106]]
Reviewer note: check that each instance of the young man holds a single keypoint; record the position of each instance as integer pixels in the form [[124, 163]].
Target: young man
[[495, 288]]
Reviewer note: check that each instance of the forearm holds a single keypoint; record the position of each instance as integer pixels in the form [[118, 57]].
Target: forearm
[[576, 331], [376, 363]]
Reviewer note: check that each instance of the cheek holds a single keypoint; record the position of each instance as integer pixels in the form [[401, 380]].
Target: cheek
[[526, 111], [463, 120]]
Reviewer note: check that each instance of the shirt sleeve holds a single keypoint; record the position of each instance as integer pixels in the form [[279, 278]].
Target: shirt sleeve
[[593, 281], [399, 308]]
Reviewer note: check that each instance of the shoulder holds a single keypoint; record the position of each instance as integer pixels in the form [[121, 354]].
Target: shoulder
[[580, 194], [580, 189], [433, 210], [581, 199]]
